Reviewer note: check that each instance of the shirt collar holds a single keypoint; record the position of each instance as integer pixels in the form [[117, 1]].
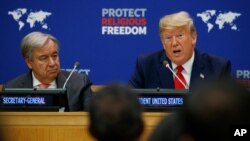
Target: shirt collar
[[187, 66], [36, 82]]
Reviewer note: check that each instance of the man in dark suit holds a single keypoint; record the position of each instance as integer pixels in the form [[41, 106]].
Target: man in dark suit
[[178, 36], [41, 54]]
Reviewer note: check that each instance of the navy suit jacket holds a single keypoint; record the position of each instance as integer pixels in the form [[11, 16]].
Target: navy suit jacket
[[151, 73], [78, 88]]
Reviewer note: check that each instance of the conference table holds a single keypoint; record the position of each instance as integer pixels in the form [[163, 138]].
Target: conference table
[[58, 126]]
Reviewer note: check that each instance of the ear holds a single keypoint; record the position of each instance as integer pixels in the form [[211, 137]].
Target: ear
[[28, 63], [162, 41], [194, 39]]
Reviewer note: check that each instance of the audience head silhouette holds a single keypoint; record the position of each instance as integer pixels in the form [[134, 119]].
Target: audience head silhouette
[[217, 108], [212, 112], [115, 114]]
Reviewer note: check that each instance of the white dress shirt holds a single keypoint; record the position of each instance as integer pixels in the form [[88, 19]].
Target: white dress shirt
[[187, 69], [36, 82]]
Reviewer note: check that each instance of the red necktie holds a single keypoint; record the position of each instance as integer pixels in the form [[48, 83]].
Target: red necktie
[[177, 83], [43, 86]]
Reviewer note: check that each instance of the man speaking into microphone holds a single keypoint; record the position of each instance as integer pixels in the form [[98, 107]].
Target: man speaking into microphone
[[178, 65], [41, 54]]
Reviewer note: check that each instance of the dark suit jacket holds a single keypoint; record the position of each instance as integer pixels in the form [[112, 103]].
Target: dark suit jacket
[[150, 72], [78, 88]]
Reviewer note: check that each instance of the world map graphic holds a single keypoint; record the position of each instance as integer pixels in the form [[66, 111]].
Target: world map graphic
[[211, 17], [23, 16]]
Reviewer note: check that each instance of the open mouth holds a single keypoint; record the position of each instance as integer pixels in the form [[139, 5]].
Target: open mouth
[[176, 51]]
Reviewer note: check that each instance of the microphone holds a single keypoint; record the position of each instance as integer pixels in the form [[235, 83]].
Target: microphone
[[75, 66], [166, 64]]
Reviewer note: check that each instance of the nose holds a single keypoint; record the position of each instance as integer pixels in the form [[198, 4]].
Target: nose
[[51, 61], [174, 42]]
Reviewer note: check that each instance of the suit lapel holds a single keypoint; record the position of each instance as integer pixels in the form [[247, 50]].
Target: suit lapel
[[165, 75], [28, 81], [60, 80], [198, 70]]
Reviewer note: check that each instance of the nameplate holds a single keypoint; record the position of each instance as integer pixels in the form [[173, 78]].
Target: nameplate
[[32, 99], [162, 99]]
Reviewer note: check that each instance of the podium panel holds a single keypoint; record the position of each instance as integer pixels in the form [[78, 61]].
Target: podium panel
[[57, 126]]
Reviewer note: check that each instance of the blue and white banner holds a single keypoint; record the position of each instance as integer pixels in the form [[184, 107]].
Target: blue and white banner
[[106, 36]]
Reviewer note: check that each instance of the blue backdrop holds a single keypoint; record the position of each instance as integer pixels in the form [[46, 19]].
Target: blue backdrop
[[107, 36]]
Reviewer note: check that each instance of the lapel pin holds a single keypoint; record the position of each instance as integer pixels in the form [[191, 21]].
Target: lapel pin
[[202, 76]]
